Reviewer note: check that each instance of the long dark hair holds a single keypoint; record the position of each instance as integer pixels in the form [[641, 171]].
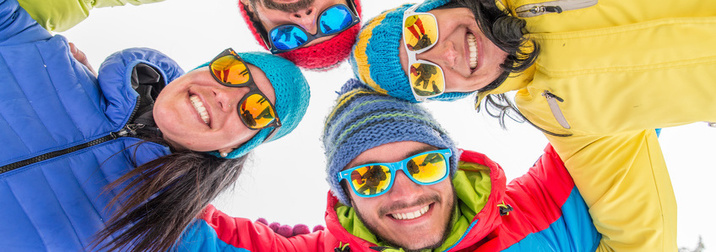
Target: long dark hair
[[508, 33], [160, 198]]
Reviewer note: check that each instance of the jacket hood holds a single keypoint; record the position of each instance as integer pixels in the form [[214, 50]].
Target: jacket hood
[[117, 68], [478, 201]]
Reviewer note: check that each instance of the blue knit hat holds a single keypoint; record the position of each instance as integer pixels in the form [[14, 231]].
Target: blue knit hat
[[363, 119], [292, 96], [375, 59]]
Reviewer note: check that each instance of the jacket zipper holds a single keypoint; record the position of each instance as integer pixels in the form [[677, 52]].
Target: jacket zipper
[[124, 131], [558, 6], [554, 106]]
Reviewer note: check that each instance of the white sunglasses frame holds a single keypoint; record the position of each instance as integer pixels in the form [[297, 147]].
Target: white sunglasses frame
[[412, 55]]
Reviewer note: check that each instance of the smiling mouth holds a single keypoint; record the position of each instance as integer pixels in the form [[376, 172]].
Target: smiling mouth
[[472, 48], [411, 215], [199, 106]]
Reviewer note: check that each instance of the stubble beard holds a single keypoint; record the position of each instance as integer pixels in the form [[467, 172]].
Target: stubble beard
[[398, 244]]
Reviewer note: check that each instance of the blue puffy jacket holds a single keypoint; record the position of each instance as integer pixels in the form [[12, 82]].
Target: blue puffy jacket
[[61, 135]]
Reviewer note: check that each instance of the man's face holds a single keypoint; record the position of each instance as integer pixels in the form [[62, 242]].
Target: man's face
[[408, 215], [303, 13]]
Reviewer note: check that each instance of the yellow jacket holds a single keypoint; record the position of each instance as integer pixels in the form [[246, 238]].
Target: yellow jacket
[[610, 72], [60, 15]]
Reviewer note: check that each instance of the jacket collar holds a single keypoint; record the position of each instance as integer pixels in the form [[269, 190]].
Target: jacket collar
[[485, 221]]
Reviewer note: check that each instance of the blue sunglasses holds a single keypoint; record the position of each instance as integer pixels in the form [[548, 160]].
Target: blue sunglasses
[[371, 180], [332, 20]]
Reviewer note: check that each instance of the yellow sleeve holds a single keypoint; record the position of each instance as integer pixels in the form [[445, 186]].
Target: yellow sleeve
[[60, 15], [624, 181]]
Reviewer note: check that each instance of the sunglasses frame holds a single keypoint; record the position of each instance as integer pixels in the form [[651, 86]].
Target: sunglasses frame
[[310, 37], [253, 89], [394, 167], [412, 55]]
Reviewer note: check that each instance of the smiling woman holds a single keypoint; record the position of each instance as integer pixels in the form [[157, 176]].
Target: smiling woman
[[75, 143], [219, 111]]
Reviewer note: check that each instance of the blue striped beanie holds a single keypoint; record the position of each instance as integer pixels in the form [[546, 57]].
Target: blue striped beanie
[[292, 96], [363, 119], [375, 58]]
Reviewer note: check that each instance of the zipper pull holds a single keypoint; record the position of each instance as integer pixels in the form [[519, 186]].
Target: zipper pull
[[554, 107], [540, 9], [553, 9], [128, 130]]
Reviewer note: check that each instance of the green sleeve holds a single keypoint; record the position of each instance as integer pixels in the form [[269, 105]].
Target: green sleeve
[[60, 15]]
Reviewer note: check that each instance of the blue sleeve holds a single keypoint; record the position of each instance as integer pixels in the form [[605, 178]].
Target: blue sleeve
[[16, 25]]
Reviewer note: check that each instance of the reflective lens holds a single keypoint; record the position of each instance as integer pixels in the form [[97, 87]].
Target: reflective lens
[[288, 37], [335, 19], [374, 179], [370, 180], [420, 31], [427, 79], [256, 111], [230, 70], [428, 167]]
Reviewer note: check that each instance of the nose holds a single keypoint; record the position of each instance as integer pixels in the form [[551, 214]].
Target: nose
[[404, 189], [306, 18], [443, 54], [228, 97]]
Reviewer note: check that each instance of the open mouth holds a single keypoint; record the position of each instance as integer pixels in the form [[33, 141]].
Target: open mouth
[[472, 50], [411, 215], [199, 107]]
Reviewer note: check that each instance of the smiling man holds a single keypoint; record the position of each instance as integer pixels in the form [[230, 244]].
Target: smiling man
[[314, 34], [399, 183], [576, 70]]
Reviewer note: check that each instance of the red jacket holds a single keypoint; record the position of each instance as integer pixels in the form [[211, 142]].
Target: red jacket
[[548, 214]]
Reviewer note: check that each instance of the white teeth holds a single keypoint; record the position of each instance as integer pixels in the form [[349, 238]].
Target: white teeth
[[199, 106], [472, 46], [411, 215]]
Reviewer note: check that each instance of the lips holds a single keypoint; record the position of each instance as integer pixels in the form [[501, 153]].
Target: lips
[[200, 109], [411, 215], [472, 50]]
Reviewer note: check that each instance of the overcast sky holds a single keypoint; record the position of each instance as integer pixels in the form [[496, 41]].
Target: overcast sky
[[284, 180]]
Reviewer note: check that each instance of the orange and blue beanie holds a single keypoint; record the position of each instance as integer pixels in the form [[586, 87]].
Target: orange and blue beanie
[[363, 119], [322, 56], [375, 59], [292, 96]]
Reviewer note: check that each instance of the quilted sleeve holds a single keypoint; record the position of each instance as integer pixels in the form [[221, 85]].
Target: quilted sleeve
[[60, 15], [16, 25]]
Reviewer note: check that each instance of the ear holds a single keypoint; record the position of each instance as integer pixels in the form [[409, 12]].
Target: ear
[[247, 4]]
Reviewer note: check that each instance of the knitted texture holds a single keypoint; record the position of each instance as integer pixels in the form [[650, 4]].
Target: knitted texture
[[322, 56], [292, 97], [375, 58], [363, 119]]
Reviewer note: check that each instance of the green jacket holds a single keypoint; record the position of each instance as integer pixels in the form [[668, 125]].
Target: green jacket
[[60, 15]]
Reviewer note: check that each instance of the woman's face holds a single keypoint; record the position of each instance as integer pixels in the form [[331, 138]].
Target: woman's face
[[469, 60], [195, 112]]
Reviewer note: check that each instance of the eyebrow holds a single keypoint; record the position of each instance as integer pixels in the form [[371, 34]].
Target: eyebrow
[[410, 154]]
